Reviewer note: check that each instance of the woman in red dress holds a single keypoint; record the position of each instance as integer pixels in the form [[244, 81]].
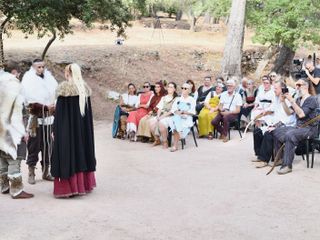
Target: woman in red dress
[[73, 159], [142, 110]]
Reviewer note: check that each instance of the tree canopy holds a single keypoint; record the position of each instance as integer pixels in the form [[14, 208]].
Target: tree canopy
[[285, 22], [53, 16]]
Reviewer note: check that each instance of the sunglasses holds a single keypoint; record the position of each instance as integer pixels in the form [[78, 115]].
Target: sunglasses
[[299, 85], [146, 86], [183, 88], [272, 75], [41, 67]]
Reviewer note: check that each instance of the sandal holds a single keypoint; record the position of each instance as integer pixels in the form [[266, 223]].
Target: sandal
[[156, 142], [173, 149], [165, 145]]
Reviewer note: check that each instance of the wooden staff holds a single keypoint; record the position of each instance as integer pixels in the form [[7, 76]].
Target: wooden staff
[[253, 121], [277, 158]]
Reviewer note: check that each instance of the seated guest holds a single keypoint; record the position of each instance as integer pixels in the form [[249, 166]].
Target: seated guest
[[193, 92], [203, 92], [209, 112], [142, 107], [274, 77], [229, 108], [221, 81], [182, 120], [263, 106], [282, 116], [261, 86], [159, 124], [249, 96], [242, 86], [305, 109], [144, 127], [264, 99], [127, 104]]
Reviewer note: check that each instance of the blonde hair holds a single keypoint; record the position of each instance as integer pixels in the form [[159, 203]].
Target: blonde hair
[[77, 79]]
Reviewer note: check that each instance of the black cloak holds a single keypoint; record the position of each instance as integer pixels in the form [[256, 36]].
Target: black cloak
[[73, 150]]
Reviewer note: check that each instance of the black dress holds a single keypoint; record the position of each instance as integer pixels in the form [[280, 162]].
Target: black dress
[[73, 159]]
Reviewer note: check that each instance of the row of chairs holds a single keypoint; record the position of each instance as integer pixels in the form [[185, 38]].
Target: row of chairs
[[235, 124], [311, 144]]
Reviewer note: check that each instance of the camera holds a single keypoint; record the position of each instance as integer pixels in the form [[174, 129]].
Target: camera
[[301, 74], [285, 90], [298, 62]]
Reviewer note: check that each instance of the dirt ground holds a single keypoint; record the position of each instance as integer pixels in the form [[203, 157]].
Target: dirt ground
[[144, 193]]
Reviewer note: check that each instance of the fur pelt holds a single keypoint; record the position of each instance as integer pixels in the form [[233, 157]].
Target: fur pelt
[[69, 89], [11, 130]]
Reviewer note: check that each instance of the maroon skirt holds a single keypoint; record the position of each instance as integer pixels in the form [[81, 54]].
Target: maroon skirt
[[79, 184]]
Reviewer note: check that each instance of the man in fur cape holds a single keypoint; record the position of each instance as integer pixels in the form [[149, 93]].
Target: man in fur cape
[[39, 87], [12, 130]]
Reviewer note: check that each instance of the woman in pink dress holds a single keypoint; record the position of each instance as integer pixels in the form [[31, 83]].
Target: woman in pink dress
[[142, 110]]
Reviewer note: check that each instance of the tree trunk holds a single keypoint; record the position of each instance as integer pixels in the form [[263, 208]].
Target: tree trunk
[[267, 56], [193, 24], [179, 15], [153, 11], [52, 39], [2, 28], [215, 20], [283, 63], [207, 18], [231, 63]]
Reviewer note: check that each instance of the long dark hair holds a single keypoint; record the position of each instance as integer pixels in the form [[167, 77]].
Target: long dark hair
[[175, 94], [162, 89], [193, 87], [132, 85]]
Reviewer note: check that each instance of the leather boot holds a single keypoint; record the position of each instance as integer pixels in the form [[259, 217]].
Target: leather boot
[[31, 176], [16, 188], [4, 184], [23, 195], [46, 174]]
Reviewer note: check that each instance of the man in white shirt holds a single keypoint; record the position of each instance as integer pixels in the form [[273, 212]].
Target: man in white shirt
[[229, 108], [38, 88], [283, 115]]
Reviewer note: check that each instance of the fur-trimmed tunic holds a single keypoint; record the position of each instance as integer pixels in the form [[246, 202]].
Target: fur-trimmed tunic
[[11, 125], [73, 150]]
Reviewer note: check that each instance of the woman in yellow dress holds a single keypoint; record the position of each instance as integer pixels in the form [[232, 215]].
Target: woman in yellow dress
[[209, 112]]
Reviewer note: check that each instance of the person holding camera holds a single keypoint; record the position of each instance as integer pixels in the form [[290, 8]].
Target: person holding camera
[[305, 109], [229, 108], [282, 116], [313, 74]]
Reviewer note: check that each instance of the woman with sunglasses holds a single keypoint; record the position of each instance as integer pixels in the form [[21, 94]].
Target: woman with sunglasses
[[142, 106], [144, 126], [159, 124], [183, 109]]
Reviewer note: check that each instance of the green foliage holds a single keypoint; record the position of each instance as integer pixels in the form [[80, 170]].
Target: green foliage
[[218, 8], [43, 16], [136, 5], [167, 6], [285, 22]]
